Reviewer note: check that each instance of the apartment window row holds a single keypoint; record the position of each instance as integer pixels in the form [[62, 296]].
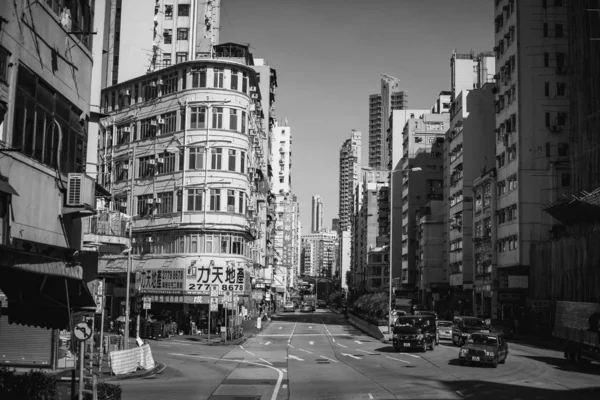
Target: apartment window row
[[558, 32], [560, 91], [456, 198], [511, 153], [38, 109], [183, 10], [559, 62], [456, 245], [237, 119], [507, 214], [226, 200], [81, 17], [456, 267], [238, 80], [456, 175], [507, 244], [4, 60], [483, 196], [555, 121], [507, 185], [170, 243], [456, 222], [561, 151], [456, 152], [552, 3], [219, 158]]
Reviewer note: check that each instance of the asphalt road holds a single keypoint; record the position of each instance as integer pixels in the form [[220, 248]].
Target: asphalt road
[[320, 356]]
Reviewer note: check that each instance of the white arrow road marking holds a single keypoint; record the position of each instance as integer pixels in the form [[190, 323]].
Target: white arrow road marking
[[294, 358], [279, 327], [250, 353], [350, 355], [358, 342], [327, 358], [397, 359], [279, 372], [370, 396], [306, 351], [267, 343], [412, 355], [311, 343], [262, 359], [291, 346], [339, 344], [310, 327], [284, 386], [241, 347], [368, 352]]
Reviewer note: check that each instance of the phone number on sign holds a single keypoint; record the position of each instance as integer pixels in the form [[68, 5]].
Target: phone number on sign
[[205, 286]]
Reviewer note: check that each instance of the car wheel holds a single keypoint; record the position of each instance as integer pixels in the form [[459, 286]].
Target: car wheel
[[503, 360], [424, 348], [495, 363], [432, 346]]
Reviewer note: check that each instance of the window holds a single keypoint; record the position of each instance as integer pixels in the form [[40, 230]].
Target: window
[[241, 202], [558, 30], [243, 162], [168, 36], [547, 119], [231, 200], [563, 149], [148, 128], [168, 12], [225, 244], [146, 166], [234, 79], [245, 82], [217, 118], [560, 59], [196, 158], [183, 10], [123, 134], [4, 56], [150, 90], [215, 199], [233, 117], [232, 157], [183, 79], [166, 59], [181, 57], [195, 200], [547, 89], [243, 121], [561, 88], [143, 208], [121, 169], [218, 77], [216, 157], [168, 163], [169, 123], [182, 33], [545, 29], [36, 108], [198, 118], [169, 82], [546, 59], [199, 78], [165, 203], [237, 244], [565, 179], [561, 119]]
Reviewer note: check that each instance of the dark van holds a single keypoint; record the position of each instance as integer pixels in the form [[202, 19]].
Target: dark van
[[415, 332]]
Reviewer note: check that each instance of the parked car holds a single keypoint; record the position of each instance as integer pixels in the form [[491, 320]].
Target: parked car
[[321, 304], [444, 329], [307, 308], [484, 348], [289, 307], [414, 332], [424, 312], [464, 326]]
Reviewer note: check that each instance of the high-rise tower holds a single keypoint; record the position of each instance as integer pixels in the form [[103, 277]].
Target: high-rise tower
[[317, 214]]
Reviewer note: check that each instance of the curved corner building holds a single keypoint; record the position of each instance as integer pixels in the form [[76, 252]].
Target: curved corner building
[[190, 141]]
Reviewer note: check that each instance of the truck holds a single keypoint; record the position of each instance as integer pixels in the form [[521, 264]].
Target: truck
[[310, 299], [577, 324], [404, 304]]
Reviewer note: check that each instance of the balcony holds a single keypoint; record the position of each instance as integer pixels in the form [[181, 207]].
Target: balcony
[[106, 228]]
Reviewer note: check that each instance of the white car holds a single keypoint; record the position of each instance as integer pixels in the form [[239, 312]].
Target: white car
[[444, 329]]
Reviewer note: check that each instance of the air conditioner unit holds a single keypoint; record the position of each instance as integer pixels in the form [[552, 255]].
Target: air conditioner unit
[[126, 92], [254, 96], [152, 84], [150, 239], [253, 88], [126, 166], [132, 240], [126, 129], [251, 131], [152, 161], [123, 204], [150, 201], [161, 121], [252, 107], [160, 160], [160, 82], [255, 141], [157, 200], [80, 190], [153, 122]]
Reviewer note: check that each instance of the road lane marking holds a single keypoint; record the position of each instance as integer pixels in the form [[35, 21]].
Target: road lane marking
[[301, 334], [292, 334], [291, 346], [339, 344], [350, 355], [306, 351], [250, 353], [262, 359], [284, 386], [311, 343], [411, 355], [310, 327], [284, 370], [267, 343], [327, 358], [357, 342], [279, 327], [241, 347], [370, 396], [397, 359], [327, 330], [368, 352], [460, 393], [279, 372], [294, 358]]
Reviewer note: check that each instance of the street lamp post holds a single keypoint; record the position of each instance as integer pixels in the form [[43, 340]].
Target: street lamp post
[[391, 262]]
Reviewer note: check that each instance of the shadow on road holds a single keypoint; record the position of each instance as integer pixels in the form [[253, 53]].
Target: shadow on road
[[564, 365], [386, 349]]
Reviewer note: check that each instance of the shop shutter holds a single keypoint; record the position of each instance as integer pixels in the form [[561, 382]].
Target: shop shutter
[[22, 345]]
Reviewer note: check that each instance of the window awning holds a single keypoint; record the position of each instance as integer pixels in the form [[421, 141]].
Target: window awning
[[6, 187]]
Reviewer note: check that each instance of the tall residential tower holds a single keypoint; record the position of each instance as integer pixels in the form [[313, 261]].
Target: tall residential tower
[[317, 214]]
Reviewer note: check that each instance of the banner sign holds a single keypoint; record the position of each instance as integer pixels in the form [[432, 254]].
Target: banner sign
[[160, 280], [224, 273]]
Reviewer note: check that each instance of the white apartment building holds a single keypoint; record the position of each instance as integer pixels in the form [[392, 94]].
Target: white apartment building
[[317, 214]]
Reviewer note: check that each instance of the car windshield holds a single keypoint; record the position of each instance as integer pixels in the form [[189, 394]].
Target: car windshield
[[413, 321], [444, 324], [483, 339], [474, 323]]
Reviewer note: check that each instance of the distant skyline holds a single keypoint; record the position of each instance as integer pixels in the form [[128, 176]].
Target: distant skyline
[[329, 56]]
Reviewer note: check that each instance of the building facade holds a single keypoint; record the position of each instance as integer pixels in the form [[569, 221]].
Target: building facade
[[317, 214]]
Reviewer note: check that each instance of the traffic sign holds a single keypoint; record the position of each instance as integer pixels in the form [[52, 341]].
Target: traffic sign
[[147, 303], [227, 297], [99, 303], [82, 331]]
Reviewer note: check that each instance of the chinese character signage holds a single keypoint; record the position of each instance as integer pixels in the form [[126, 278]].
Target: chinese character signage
[[222, 275], [160, 280]]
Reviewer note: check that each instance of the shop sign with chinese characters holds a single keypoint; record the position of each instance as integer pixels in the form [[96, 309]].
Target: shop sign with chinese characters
[[202, 278], [161, 281]]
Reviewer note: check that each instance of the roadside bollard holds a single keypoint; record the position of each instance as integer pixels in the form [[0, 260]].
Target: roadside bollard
[[258, 323]]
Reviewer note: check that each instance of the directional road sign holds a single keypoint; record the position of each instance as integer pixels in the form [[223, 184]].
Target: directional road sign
[[82, 331]]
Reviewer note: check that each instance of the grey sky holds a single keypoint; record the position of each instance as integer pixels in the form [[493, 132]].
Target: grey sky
[[329, 55]]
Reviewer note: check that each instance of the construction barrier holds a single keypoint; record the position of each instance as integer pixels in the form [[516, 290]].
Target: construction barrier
[[127, 361]]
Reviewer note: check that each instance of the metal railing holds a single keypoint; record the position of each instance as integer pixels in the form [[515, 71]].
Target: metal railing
[[108, 223]]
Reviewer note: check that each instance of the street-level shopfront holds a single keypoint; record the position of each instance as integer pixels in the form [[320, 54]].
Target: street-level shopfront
[[187, 290], [39, 298]]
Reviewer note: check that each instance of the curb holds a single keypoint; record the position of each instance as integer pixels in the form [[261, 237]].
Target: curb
[[159, 368]]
